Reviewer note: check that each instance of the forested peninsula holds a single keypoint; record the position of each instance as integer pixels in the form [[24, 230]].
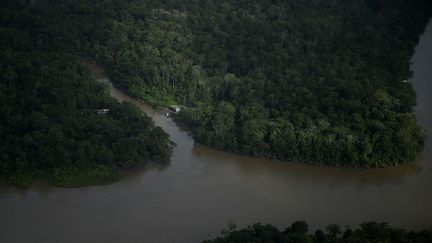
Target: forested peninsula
[[314, 81]]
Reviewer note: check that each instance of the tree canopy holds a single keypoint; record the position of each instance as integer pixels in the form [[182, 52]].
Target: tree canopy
[[313, 81], [298, 232], [50, 127]]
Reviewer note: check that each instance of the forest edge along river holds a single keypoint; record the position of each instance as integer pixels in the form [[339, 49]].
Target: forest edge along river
[[202, 189]]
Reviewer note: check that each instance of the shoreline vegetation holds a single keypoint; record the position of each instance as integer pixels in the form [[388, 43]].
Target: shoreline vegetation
[[268, 80], [323, 83], [319, 83], [298, 232]]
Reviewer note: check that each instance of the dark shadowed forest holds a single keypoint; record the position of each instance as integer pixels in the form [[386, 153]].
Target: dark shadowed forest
[[321, 82], [298, 232]]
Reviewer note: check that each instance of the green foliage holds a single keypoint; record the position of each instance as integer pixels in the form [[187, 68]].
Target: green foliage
[[67, 177], [311, 81], [49, 127], [153, 96], [318, 82], [298, 233]]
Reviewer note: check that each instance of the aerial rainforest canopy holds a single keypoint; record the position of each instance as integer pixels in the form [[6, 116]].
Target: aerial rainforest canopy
[[321, 82]]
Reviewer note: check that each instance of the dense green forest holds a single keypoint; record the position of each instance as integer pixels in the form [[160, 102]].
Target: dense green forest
[[49, 129], [316, 81], [298, 232]]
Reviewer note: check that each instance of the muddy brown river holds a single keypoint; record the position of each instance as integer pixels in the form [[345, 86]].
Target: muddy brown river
[[202, 189]]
